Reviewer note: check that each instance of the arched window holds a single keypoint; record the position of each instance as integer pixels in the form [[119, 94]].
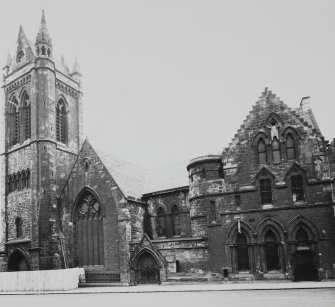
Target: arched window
[[275, 150], [271, 251], [290, 147], [175, 221], [161, 222], [301, 237], [242, 253], [43, 50], [266, 191], [261, 149], [18, 227], [13, 122], [23, 180], [19, 181], [297, 187], [9, 184], [28, 178], [89, 231], [14, 183], [25, 117], [61, 122]]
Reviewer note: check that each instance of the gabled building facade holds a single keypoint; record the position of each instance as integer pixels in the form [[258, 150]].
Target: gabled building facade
[[263, 209]]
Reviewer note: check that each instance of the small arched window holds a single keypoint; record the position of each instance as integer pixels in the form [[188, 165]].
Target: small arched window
[[43, 50], [19, 181], [161, 222], [290, 147], [18, 227], [9, 184], [261, 149], [275, 150], [28, 178], [23, 180], [25, 117], [61, 122], [14, 183], [175, 221]]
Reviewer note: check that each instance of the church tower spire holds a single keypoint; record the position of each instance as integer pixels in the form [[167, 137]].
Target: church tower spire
[[43, 41]]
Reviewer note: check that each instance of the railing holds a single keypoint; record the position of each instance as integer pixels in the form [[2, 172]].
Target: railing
[[50, 280]]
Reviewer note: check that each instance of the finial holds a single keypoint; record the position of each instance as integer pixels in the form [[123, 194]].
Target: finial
[[76, 68]]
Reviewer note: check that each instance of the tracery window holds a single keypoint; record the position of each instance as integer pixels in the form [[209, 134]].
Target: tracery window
[[175, 221], [13, 122], [275, 150], [161, 222], [89, 230], [297, 187], [290, 147], [261, 149], [266, 191], [61, 122]]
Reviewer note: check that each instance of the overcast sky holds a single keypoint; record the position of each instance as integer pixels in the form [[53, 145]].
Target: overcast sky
[[167, 81]]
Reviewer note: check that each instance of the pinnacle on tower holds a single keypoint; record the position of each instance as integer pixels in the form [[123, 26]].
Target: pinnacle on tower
[[43, 41], [76, 68], [24, 52]]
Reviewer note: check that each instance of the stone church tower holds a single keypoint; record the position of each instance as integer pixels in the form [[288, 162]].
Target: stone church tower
[[43, 129]]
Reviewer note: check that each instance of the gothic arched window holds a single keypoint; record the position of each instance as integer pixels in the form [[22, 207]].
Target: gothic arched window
[[89, 231], [301, 237], [13, 122], [28, 178], [161, 222], [242, 253], [275, 150], [175, 221], [271, 251], [290, 147], [25, 117], [261, 149], [61, 122]]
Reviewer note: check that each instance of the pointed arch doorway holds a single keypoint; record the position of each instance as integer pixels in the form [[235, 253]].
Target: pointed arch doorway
[[148, 270], [17, 262]]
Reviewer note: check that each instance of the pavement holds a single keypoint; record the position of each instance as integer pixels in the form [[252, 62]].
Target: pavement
[[194, 287]]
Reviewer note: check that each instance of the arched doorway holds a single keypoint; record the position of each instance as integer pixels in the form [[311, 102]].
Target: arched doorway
[[17, 262], [271, 252], [305, 268], [148, 270], [242, 253]]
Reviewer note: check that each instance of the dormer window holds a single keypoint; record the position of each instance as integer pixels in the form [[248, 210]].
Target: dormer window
[[266, 191], [297, 187]]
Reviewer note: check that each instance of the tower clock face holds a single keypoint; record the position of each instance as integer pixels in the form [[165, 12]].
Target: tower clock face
[[19, 56]]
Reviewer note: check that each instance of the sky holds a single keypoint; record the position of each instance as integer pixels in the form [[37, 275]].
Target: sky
[[168, 81]]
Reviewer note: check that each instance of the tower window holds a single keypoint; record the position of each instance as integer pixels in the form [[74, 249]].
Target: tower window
[[261, 149], [13, 122], [275, 150], [18, 227], [297, 187], [290, 147], [212, 212], [25, 117], [61, 122], [43, 50], [266, 191]]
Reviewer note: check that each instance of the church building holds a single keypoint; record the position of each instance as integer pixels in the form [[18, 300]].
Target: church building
[[262, 209]]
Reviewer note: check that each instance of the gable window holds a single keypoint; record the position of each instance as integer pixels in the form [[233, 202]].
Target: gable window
[[275, 150], [297, 187], [261, 149], [266, 191], [161, 222], [61, 122], [290, 147]]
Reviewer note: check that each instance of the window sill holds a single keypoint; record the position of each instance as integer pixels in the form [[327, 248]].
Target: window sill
[[267, 206], [300, 203]]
